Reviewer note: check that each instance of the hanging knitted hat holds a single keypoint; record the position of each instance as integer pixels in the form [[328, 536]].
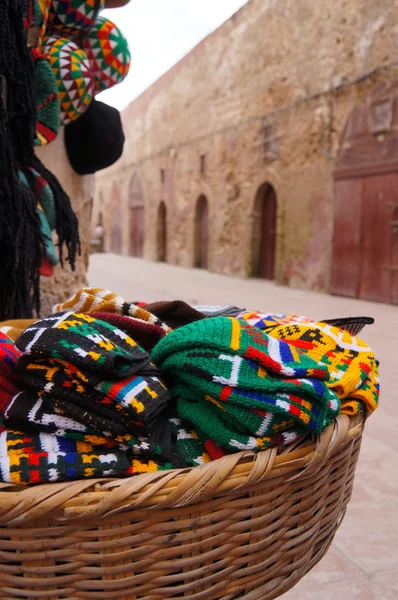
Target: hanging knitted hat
[[73, 74], [41, 12], [95, 141], [48, 104], [108, 52], [73, 16]]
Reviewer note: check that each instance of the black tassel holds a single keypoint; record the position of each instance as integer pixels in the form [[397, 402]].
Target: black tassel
[[20, 236]]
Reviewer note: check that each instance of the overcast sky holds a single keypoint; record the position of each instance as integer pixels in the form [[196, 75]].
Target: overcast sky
[[160, 33]]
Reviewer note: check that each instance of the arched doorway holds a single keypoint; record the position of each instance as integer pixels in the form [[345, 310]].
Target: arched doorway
[[202, 233], [137, 225], [162, 233], [365, 239], [264, 233], [115, 209]]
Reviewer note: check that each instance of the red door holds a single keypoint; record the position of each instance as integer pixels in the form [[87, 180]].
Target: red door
[[202, 234], [268, 234], [365, 244], [379, 193], [346, 263]]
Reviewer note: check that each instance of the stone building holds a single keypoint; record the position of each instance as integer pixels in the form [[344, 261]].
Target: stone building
[[270, 150]]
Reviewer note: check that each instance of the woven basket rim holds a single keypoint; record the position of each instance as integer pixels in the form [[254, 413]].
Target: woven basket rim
[[164, 490]]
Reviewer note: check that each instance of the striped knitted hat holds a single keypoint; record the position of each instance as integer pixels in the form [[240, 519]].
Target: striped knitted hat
[[242, 390]]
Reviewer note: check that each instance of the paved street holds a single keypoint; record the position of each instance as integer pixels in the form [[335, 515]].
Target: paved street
[[363, 561]]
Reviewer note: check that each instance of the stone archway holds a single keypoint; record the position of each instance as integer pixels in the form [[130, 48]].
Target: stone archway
[[115, 209], [137, 217], [201, 260], [264, 232], [365, 254], [162, 233]]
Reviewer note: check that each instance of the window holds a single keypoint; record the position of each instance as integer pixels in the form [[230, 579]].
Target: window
[[202, 164]]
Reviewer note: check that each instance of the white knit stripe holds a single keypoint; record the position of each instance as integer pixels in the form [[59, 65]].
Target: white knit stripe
[[133, 393], [49, 443], [236, 362], [265, 424], [80, 301], [11, 404], [274, 352], [250, 445]]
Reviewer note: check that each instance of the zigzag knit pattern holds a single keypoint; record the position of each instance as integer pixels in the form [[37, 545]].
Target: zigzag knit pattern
[[352, 367], [91, 300]]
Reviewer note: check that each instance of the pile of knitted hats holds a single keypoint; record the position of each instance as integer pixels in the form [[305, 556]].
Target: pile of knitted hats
[[81, 398]]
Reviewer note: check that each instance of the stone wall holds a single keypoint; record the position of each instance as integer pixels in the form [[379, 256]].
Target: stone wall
[[64, 282], [264, 98]]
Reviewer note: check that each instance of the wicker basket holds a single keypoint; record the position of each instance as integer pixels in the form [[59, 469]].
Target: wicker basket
[[244, 526]]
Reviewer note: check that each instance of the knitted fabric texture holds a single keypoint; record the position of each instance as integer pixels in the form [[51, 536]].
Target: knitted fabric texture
[[175, 313], [76, 368], [219, 311], [27, 458], [92, 300], [73, 16], [266, 320], [48, 105], [352, 367], [145, 334], [14, 328], [95, 141], [9, 355], [73, 74], [240, 388], [108, 52], [353, 325]]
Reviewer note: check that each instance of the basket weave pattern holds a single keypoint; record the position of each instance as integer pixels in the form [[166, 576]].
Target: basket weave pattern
[[246, 526]]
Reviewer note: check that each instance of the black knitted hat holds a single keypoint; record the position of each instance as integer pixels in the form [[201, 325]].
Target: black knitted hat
[[95, 141]]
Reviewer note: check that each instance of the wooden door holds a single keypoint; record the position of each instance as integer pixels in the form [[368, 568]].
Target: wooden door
[[394, 252], [347, 240], [115, 221], [379, 193], [365, 245], [268, 234], [202, 234], [162, 233]]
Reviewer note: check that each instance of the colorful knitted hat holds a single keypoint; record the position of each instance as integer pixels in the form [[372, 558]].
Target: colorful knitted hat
[[33, 458], [88, 343], [95, 141], [73, 16], [92, 300], [48, 103], [242, 390], [353, 372], [74, 76], [145, 334], [265, 320], [108, 52]]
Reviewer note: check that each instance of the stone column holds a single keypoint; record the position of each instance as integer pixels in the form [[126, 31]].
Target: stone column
[[64, 283]]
